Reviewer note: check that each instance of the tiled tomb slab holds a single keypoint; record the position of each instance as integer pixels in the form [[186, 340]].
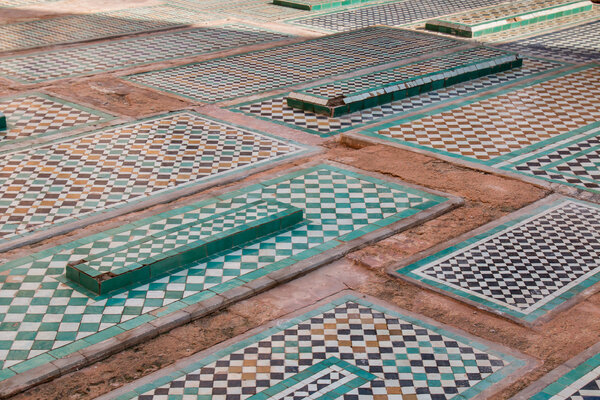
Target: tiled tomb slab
[[576, 44], [573, 161], [287, 65], [391, 14], [381, 87], [21, 3], [506, 16], [257, 10], [82, 27], [275, 108], [525, 266], [576, 379], [46, 318], [35, 115], [125, 53], [497, 127], [149, 258], [315, 5], [69, 182], [345, 347]]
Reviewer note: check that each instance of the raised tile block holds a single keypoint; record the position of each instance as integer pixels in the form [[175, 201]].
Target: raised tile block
[[168, 250], [373, 89], [315, 5], [506, 16], [2, 122]]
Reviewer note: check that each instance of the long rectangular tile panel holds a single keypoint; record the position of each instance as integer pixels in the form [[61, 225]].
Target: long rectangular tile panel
[[316, 5], [142, 260], [506, 16], [370, 90]]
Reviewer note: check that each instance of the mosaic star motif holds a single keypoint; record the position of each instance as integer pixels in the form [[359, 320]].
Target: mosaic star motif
[[40, 314], [37, 114], [282, 66], [486, 129], [276, 108], [66, 179], [396, 358], [118, 54], [525, 266]]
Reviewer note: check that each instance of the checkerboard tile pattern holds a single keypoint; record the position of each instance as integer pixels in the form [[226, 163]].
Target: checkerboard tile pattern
[[117, 54], [575, 44], [45, 318], [283, 66], [393, 356], [70, 178], [392, 14], [525, 267], [499, 125], [36, 114], [277, 110], [76, 28], [21, 3]]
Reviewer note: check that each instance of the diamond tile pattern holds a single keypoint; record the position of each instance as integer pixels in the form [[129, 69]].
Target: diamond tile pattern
[[118, 54], [69, 178], [392, 14], [486, 129], [39, 313], [407, 359], [76, 28], [21, 3], [528, 264], [276, 108], [282, 66], [36, 114]]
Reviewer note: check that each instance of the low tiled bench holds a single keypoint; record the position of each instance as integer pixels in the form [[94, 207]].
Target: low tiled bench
[[506, 16], [376, 88], [155, 255]]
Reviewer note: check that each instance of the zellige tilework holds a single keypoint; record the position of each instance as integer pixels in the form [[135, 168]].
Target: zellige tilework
[[21, 3], [76, 28], [506, 16], [282, 66], [524, 268], [347, 349], [315, 5], [275, 108], [71, 178], [35, 114], [500, 126], [45, 318], [117, 54]]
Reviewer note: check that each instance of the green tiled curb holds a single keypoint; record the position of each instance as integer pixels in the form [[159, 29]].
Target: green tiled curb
[[2, 122], [317, 5], [509, 22], [141, 271], [398, 90]]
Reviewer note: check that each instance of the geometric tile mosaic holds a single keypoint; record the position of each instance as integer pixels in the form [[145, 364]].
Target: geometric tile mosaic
[[36, 114], [378, 354], [76, 28], [276, 110], [96, 171], [20, 3], [524, 268], [113, 55], [498, 126], [574, 161], [282, 66], [255, 10], [43, 318], [575, 44], [392, 14]]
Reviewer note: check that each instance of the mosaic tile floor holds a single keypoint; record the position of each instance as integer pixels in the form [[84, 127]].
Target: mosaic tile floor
[[21, 3], [524, 268], [43, 318], [35, 114], [72, 178], [500, 126], [283, 66], [392, 14], [118, 54], [275, 108], [348, 349], [574, 44], [76, 28]]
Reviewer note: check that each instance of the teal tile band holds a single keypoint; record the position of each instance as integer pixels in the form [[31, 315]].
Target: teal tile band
[[317, 5], [2, 122]]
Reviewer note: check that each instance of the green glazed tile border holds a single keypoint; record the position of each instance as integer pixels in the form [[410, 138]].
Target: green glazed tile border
[[317, 5], [568, 379]]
